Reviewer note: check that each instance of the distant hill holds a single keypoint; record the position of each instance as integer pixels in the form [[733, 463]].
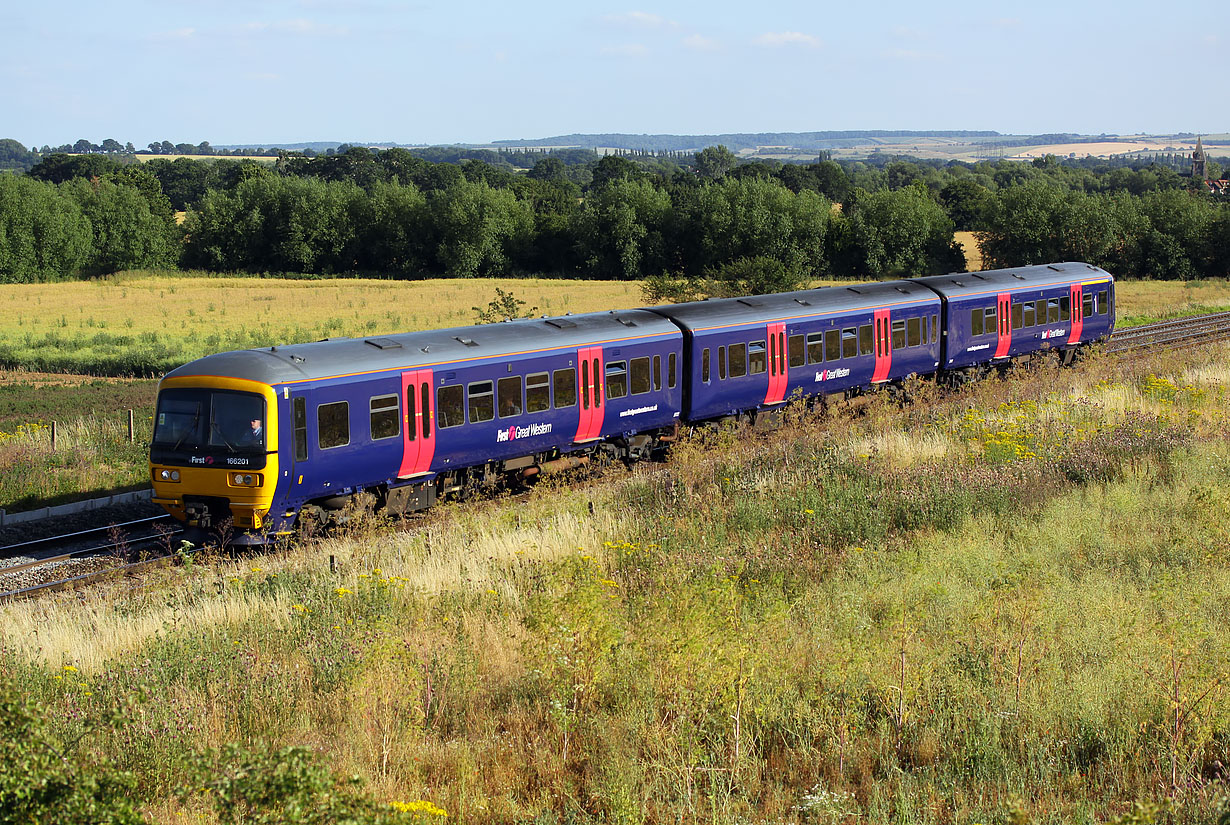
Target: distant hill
[[817, 141]]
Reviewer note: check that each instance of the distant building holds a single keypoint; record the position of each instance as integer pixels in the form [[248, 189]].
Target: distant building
[[1199, 162]]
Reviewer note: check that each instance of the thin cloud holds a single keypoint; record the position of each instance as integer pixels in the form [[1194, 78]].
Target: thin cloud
[[699, 43], [639, 19], [626, 50], [777, 40]]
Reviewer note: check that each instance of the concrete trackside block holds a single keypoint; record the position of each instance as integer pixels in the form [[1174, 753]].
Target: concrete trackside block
[[7, 519]]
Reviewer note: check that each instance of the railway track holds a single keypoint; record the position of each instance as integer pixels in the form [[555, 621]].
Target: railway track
[[34, 567]]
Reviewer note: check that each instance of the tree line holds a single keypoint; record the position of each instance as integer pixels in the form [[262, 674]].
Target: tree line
[[762, 225]]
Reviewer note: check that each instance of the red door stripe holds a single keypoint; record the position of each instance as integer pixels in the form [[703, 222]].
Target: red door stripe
[[589, 424], [417, 452], [1078, 313], [1004, 314], [777, 364], [883, 345]]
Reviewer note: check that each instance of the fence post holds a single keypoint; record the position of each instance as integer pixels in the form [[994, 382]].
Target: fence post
[[53, 436], [130, 427]]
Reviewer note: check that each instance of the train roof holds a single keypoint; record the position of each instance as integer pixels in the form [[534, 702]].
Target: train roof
[[348, 356], [969, 284], [806, 303]]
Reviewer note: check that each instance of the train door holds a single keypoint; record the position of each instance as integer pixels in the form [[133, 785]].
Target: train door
[[777, 364], [299, 442], [1004, 312], [1078, 313], [418, 423], [593, 406], [883, 345]]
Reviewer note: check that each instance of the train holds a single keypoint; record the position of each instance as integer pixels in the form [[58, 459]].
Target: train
[[261, 443]]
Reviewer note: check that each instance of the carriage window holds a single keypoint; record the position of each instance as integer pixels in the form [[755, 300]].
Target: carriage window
[[1040, 310], [411, 421], [975, 321], [657, 373], [616, 379], [1065, 308], [585, 384], [815, 347], [482, 401], [773, 355], [1052, 311], [849, 342], [866, 339], [722, 363], [899, 334], [638, 378], [510, 396], [1087, 305], [426, 399], [1018, 316], [756, 357], [333, 424], [832, 345], [300, 413], [935, 324], [597, 384], [1103, 306], [450, 406], [670, 371], [738, 360], [704, 366], [1028, 313], [537, 392], [798, 356], [990, 320], [914, 335], [565, 388], [385, 422]]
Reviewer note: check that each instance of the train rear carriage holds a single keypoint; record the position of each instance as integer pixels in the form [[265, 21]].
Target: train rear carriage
[[407, 417], [995, 316], [754, 353]]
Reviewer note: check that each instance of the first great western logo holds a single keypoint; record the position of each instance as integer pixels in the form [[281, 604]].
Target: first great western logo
[[514, 432]]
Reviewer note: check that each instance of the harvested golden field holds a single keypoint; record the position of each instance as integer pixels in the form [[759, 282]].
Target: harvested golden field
[[969, 243]]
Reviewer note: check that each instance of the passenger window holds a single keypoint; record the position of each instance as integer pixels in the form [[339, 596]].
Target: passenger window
[[1052, 311], [657, 373], [738, 360], [1028, 313], [1018, 316], [990, 320], [1065, 308], [832, 345], [935, 326], [616, 379], [798, 354], [670, 371], [585, 384], [333, 424], [510, 396], [385, 421], [482, 401], [849, 342], [722, 363], [1040, 310], [772, 355], [597, 385], [565, 388], [638, 376], [866, 340], [914, 332], [537, 392], [426, 416], [1087, 305], [450, 406], [899, 334], [756, 357], [1103, 306], [300, 413], [975, 321], [704, 366], [815, 347]]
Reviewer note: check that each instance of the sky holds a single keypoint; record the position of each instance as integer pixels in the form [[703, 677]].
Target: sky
[[430, 72]]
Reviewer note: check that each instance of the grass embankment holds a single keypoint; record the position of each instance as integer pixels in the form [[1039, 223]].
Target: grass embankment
[[1009, 605]]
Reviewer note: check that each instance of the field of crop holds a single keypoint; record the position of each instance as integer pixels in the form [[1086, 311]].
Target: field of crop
[[1008, 604]]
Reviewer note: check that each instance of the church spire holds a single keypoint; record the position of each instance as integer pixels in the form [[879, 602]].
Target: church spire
[[1199, 161]]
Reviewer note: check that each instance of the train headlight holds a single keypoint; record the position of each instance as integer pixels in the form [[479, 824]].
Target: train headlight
[[244, 479], [168, 475]]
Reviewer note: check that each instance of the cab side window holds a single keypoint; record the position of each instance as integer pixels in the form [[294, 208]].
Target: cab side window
[[333, 424]]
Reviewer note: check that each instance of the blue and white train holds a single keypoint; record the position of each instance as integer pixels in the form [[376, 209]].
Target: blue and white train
[[259, 442]]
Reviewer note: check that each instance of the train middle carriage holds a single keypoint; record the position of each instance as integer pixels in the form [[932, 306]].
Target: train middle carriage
[[755, 353], [409, 417]]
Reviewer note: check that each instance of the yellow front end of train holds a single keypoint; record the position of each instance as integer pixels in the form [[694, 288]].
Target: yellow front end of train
[[214, 455]]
